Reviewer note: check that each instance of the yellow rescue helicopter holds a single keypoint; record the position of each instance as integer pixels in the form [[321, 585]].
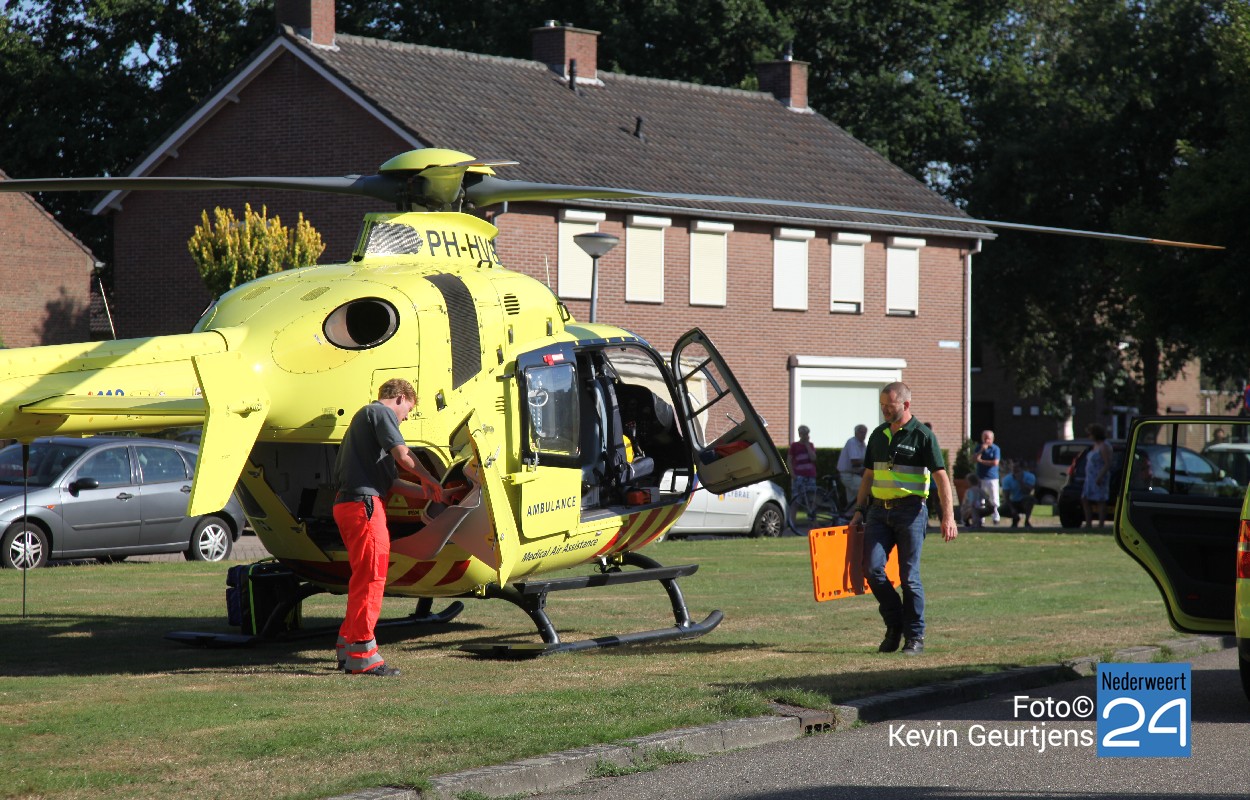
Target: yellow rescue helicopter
[[577, 443]]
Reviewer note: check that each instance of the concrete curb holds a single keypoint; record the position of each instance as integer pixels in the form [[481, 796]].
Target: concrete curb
[[570, 767]]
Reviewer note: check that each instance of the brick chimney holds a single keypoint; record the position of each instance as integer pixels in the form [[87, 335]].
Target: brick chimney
[[312, 19], [556, 45], [785, 80]]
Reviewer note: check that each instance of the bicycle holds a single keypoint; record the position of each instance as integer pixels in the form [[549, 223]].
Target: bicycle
[[820, 506]]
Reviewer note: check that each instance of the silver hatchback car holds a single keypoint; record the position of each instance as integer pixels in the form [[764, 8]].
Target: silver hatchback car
[[108, 498]]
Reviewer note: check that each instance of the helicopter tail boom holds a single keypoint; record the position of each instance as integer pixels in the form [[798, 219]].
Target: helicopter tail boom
[[140, 385]]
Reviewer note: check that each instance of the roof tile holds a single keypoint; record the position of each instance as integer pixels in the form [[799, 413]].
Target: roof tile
[[696, 139]]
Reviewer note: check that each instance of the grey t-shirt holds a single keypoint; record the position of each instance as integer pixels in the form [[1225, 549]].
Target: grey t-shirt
[[364, 464]]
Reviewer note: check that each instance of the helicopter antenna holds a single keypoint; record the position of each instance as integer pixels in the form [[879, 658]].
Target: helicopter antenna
[[99, 269], [547, 266]]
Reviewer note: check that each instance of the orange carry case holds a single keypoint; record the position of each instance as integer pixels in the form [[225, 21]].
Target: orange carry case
[[837, 563]]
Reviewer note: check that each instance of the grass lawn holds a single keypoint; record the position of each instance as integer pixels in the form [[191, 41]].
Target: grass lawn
[[97, 705]]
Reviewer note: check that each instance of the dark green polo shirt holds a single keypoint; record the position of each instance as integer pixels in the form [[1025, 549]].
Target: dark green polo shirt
[[902, 462]]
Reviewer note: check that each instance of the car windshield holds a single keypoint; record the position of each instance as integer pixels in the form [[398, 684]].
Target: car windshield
[[47, 461], [1193, 473]]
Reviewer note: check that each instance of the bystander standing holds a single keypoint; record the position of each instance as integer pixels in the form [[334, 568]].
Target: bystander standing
[[987, 456]]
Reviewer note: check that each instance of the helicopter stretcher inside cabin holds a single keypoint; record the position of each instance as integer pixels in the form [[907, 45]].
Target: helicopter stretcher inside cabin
[[575, 444]]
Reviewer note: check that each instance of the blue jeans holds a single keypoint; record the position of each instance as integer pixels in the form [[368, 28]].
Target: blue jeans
[[902, 527]]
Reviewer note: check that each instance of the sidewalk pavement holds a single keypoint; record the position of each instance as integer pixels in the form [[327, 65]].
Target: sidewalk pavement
[[247, 548], [560, 770]]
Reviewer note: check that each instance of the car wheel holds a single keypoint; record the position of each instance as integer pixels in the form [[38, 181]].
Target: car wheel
[[25, 546], [1071, 518], [769, 522], [211, 541], [1047, 498]]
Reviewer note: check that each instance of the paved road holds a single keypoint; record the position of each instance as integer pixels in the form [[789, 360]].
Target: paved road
[[247, 548], [868, 761]]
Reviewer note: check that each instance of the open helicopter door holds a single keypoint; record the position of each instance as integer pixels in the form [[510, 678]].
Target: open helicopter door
[[732, 446], [1179, 512], [496, 544]]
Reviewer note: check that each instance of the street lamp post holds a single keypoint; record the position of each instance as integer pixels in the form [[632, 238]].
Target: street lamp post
[[595, 244]]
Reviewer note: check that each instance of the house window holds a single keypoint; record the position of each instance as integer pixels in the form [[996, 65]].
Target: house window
[[790, 268], [644, 258], [573, 265], [846, 272], [902, 276], [831, 395], [709, 260]]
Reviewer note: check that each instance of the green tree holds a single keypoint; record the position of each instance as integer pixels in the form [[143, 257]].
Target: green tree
[[88, 86], [1072, 132], [898, 75], [230, 252], [1210, 199]]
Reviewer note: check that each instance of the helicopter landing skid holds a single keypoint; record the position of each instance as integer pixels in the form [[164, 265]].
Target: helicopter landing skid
[[531, 597], [273, 631]]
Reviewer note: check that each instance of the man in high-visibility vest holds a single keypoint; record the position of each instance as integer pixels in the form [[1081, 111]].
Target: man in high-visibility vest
[[891, 509]]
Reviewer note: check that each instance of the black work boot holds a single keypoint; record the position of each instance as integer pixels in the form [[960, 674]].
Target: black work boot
[[914, 647], [893, 635]]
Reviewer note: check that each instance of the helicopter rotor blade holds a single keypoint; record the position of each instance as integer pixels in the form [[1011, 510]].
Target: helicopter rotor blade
[[439, 186], [490, 190], [381, 187]]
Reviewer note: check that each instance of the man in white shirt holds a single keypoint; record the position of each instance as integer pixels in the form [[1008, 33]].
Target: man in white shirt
[[851, 461]]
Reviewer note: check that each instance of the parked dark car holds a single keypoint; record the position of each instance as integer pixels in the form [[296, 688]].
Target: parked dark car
[[1154, 471], [106, 497]]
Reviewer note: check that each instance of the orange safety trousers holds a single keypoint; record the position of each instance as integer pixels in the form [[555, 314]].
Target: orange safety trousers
[[369, 552]]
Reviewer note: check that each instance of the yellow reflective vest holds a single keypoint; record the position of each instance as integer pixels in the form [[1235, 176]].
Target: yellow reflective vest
[[902, 461]]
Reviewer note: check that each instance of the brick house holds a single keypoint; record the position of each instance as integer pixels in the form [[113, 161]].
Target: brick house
[[46, 274], [815, 310]]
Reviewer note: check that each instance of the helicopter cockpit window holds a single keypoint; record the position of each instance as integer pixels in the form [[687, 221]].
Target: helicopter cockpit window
[[551, 395], [718, 415], [361, 324]]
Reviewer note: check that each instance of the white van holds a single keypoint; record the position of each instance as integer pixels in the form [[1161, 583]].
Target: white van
[[1052, 467]]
